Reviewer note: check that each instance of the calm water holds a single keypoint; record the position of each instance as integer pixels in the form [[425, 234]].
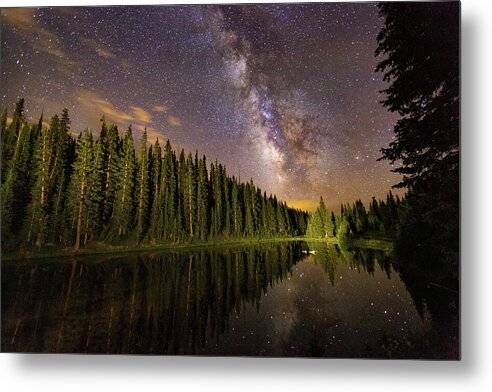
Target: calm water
[[269, 300]]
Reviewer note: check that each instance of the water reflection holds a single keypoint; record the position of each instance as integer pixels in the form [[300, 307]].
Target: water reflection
[[271, 300], [366, 260]]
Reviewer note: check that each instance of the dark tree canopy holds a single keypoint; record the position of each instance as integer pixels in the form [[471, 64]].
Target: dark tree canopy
[[419, 49], [379, 220]]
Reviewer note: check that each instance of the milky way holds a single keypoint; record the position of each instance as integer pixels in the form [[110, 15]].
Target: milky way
[[285, 94]]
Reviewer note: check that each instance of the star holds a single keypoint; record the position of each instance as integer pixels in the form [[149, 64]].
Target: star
[[285, 94]]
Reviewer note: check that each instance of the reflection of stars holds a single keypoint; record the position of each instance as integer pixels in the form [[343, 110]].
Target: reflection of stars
[[290, 309]]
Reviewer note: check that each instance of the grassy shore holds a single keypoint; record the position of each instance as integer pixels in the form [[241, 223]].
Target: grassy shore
[[99, 248], [384, 244], [371, 243]]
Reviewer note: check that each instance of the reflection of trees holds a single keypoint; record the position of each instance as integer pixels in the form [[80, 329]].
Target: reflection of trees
[[433, 295], [329, 256], [177, 303], [433, 288], [434, 292], [161, 303], [367, 259]]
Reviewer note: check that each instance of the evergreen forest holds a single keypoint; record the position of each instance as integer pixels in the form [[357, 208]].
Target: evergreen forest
[[67, 191]]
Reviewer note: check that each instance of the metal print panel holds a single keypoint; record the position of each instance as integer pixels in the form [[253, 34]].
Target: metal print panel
[[236, 180]]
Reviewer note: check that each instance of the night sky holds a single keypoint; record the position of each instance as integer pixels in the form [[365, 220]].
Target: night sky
[[284, 94]]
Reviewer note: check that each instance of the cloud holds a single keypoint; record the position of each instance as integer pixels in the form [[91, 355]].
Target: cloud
[[25, 23], [174, 121], [98, 104], [141, 114], [160, 108], [18, 17], [105, 53]]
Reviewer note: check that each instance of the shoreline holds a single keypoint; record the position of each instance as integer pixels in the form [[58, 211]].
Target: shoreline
[[101, 249]]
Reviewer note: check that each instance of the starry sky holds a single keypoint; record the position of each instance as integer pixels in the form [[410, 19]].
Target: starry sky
[[285, 94]]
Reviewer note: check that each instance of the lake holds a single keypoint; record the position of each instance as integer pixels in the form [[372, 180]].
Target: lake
[[280, 299]]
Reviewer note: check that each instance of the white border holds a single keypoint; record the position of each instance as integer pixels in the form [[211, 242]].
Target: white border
[[38, 373]]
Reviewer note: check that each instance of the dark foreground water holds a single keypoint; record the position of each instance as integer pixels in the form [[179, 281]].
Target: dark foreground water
[[289, 299]]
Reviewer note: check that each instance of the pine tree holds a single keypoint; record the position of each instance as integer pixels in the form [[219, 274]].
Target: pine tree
[[419, 46], [255, 206], [156, 182], [314, 229], [15, 189], [203, 196], [96, 191], [51, 179], [61, 171], [189, 195], [281, 223], [343, 228], [182, 215], [321, 224], [248, 211], [123, 210], [334, 224], [79, 188], [6, 148], [265, 223], [110, 142], [10, 135], [172, 223], [374, 216], [326, 224], [271, 215], [227, 204], [156, 215], [143, 188], [3, 121], [361, 219], [38, 211]]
